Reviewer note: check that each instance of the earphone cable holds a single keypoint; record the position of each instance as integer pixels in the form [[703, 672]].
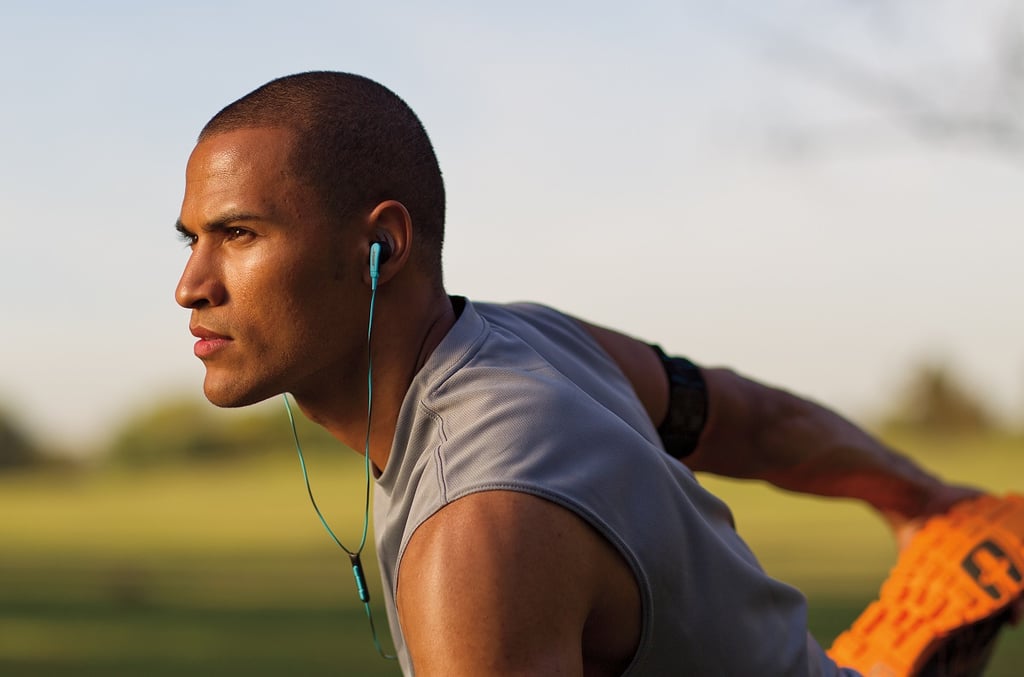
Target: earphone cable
[[354, 555]]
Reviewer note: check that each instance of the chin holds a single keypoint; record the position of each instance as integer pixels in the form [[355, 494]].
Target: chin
[[231, 395]]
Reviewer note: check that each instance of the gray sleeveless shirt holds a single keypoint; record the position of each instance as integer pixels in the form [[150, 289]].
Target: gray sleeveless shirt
[[521, 398]]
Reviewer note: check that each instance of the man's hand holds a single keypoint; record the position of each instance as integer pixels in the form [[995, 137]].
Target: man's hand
[[943, 497]]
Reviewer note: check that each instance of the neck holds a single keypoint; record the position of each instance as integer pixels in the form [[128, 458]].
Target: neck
[[404, 337]]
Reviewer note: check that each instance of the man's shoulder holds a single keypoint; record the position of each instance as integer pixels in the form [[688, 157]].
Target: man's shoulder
[[528, 317], [529, 338], [531, 388], [477, 572]]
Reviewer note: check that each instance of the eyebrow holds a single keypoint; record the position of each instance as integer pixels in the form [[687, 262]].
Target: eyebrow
[[220, 224], [182, 230]]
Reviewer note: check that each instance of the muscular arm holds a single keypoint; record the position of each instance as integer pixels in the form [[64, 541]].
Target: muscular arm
[[503, 583], [758, 432]]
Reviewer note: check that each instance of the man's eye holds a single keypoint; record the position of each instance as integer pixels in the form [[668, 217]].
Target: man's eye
[[237, 233], [189, 239]]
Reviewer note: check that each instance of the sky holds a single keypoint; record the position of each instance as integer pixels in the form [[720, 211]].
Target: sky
[[799, 190]]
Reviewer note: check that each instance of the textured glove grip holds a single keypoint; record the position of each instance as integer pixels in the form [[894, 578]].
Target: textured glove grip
[[944, 602]]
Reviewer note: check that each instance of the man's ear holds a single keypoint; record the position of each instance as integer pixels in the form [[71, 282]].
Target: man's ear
[[389, 224]]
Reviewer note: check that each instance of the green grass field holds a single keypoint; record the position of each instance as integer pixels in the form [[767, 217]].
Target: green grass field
[[222, 569]]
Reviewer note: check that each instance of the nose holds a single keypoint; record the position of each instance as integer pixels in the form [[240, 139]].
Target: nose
[[200, 284]]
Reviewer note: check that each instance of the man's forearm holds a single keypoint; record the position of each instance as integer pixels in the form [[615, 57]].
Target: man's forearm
[[758, 432]]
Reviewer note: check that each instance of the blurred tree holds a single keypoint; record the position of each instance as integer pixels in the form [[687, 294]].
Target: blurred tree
[[183, 430], [922, 70], [936, 401], [16, 449], [174, 430]]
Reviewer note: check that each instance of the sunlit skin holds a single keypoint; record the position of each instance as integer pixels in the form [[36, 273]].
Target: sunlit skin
[[279, 292], [279, 297]]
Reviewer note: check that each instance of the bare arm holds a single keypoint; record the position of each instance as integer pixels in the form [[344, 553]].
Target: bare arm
[[759, 432], [755, 431], [503, 583]]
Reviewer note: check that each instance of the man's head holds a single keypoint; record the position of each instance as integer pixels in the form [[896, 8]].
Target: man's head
[[285, 192], [357, 144]]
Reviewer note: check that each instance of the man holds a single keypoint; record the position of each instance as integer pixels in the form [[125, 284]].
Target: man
[[529, 520]]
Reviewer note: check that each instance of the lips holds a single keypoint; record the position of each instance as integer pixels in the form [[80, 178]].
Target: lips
[[209, 343]]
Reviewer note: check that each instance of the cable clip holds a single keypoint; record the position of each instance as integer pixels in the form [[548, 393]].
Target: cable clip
[[357, 571]]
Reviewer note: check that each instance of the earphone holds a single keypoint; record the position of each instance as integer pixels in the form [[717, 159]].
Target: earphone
[[380, 252]]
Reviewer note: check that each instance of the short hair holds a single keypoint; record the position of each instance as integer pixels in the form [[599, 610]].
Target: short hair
[[357, 144]]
